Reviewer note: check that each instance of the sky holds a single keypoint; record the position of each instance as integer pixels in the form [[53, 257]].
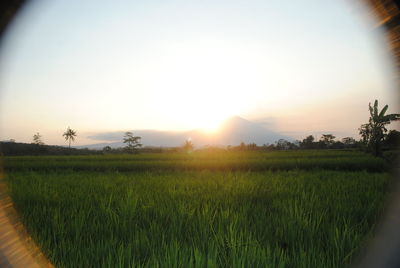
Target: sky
[[298, 66]]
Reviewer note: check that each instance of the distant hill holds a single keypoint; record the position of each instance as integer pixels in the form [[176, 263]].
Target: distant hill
[[232, 132], [236, 130]]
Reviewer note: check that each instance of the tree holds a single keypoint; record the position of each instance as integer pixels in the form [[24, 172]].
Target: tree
[[348, 141], [308, 142], [37, 139], [374, 132], [106, 149], [337, 145], [132, 142], [188, 146], [283, 144], [392, 139], [69, 136], [327, 139]]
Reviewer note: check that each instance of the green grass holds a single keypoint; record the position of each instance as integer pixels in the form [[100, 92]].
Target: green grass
[[249, 209], [226, 161]]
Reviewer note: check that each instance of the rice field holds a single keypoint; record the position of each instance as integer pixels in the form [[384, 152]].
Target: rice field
[[203, 209]]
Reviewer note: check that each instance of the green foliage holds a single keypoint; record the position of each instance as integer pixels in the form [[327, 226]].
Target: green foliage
[[278, 209], [374, 132], [132, 142], [392, 139], [210, 160]]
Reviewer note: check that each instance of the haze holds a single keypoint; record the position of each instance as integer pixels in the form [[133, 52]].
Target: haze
[[297, 67]]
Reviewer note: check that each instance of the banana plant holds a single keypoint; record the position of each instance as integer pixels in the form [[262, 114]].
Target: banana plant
[[375, 130]]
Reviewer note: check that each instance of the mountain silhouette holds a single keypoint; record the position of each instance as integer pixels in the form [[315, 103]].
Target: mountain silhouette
[[237, 129], [231, 132]]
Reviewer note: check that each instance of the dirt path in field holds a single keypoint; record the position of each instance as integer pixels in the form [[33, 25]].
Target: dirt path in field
[[17, 248]]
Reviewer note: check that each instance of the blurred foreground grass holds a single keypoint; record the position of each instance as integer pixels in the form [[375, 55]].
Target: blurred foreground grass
[[229, 209]]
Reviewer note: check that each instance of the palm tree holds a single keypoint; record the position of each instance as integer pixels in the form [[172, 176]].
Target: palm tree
[[374, 131], [69, 136], [188, 146]]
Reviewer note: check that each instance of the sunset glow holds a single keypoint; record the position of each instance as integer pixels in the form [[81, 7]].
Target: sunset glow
[[190, 65]]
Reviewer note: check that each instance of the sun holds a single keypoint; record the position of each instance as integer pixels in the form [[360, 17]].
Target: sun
[[202, 84], [212, 123], [206, 117]]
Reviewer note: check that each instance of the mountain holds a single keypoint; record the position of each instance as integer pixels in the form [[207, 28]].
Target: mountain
[[232, 132], [236, 130]]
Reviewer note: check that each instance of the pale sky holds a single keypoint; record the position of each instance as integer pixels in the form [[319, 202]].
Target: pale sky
[[303, 67]]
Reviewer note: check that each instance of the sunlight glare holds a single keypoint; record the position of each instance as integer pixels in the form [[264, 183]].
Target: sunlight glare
[[201, 84]]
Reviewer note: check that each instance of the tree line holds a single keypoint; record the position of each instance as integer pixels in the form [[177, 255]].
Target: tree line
[[327, 141], [375, 138]]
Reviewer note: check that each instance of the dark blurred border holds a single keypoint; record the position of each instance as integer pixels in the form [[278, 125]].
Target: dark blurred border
[[384, 250], [8, 9], [387, 13]]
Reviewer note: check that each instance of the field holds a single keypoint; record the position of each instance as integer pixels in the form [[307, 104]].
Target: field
[[203, 209]]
